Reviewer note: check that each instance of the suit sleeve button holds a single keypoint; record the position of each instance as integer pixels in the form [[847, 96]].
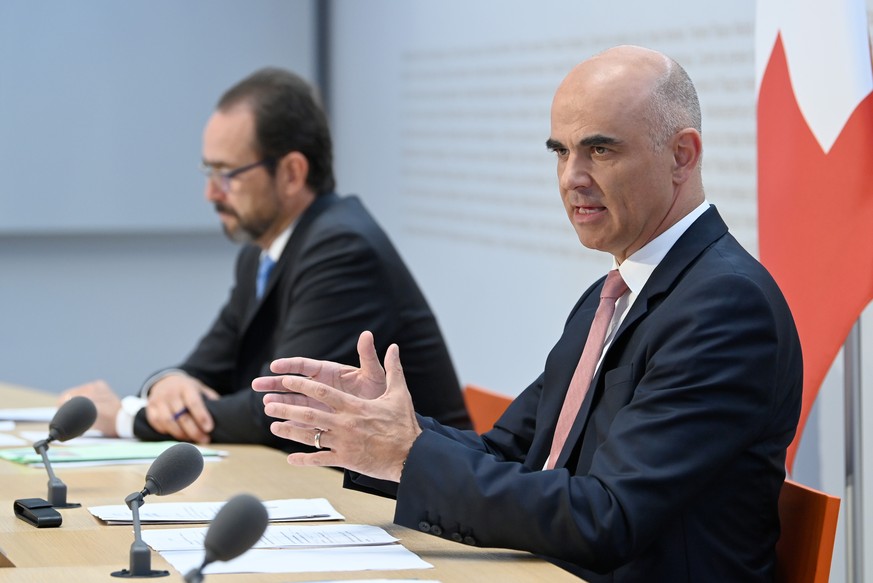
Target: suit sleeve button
[[424, 526], [469, 540], [456, 536], [436, 529]]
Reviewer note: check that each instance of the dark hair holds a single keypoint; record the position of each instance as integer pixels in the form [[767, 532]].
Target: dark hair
[[288, 118]]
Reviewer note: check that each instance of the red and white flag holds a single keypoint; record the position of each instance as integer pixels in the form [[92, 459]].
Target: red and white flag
[[815, 171]]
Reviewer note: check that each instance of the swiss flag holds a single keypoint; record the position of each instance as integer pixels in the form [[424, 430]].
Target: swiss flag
[[815, 171]]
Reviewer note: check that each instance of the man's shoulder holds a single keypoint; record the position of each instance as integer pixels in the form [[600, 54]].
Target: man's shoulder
[[708, 244], [334, 206], [343, 217]]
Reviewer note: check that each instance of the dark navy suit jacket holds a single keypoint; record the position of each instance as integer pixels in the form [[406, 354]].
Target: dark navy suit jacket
[[338, 275], [673, 468]]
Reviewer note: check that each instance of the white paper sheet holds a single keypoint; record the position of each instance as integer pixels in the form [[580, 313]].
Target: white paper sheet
[[298, 509], [90, 437], [276, 536], [37, 414], [382, 558], [109, 452], [7, 440]]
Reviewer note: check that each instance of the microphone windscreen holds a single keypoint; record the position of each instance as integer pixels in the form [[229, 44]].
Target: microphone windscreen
[[237, 526], [72, 419], [177, 467]]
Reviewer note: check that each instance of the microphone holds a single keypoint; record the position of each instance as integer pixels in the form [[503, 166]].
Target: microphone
[[71, 420], [177, 467], [236, 527]]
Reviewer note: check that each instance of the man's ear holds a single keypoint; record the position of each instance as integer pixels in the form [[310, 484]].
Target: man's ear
[[687, 149], [292, 170]]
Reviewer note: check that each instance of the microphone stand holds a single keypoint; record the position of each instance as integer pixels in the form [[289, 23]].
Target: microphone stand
[[57, 490], [140, 555], [195, 575]]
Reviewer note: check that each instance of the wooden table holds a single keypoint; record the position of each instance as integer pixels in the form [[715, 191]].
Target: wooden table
[[83, 549]]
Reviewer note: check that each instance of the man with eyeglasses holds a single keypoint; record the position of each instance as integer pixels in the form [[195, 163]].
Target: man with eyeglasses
[[315, 270]]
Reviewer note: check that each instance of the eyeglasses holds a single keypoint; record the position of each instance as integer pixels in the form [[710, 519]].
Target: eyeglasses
[[222, 178]]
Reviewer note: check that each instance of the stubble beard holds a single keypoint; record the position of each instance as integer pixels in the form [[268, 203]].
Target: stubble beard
[[245, 231]]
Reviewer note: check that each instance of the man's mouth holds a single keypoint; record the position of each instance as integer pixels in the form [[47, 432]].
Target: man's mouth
[[224, 210], [589, 210]]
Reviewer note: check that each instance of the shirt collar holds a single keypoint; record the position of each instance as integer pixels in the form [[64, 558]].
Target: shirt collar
[[636, 269], [278, 245]]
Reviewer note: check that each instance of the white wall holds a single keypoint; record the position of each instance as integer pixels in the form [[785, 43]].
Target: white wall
[[79, 307], [102, 104]]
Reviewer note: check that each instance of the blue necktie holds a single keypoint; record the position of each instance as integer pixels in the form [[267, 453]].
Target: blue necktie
[[264, 270]]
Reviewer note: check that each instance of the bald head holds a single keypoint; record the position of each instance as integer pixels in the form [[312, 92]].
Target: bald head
[[638, 80], [624, 66]]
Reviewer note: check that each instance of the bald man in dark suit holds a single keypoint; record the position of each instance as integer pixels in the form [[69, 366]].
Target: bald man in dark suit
[[673, 463]]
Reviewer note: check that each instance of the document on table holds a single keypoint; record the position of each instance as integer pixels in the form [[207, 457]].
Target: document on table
[[31, 414], [277, 536], [90, 437], [290, 510], [7, 440], [376, 558], [110, 453], [292, 549]]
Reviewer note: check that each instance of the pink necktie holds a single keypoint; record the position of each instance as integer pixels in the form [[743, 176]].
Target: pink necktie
[[613, 288]]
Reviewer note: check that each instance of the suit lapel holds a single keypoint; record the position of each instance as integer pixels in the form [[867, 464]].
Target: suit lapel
[[287, 261], [700, 235]]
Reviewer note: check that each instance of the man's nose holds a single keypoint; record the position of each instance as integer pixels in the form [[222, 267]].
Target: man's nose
[[213, 192], [575, 174]]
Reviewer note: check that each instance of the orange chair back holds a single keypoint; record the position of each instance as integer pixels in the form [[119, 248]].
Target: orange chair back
[[809, 525], [485, 406]]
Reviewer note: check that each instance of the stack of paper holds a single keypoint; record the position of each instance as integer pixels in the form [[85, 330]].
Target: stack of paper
[[28, 414], [292, 549], [110, 453], [7, 440], [291, 510]]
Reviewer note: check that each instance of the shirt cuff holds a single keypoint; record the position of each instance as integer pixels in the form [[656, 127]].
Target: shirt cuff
[[130, 406]]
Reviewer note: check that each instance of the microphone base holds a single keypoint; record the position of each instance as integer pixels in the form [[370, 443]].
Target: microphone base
[[125, 573]]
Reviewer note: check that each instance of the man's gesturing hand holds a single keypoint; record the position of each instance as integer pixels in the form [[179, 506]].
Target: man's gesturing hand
[[367, 382], [364, 417]]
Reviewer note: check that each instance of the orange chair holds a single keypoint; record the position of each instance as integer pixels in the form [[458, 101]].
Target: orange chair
[[485, 406], [809, 525]]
